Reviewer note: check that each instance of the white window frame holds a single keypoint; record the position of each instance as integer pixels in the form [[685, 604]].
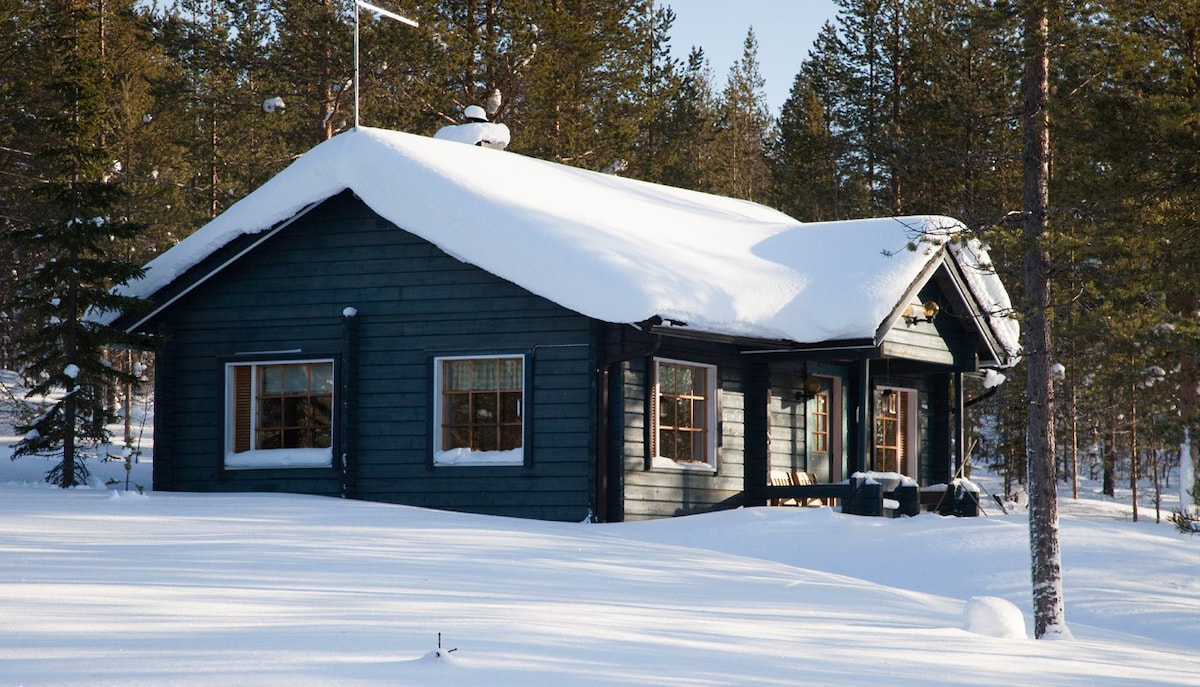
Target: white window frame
[[256, 458], [467, 457], [712, 419]]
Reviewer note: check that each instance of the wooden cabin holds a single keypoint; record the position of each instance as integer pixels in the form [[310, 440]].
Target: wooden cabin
[[421, 322]]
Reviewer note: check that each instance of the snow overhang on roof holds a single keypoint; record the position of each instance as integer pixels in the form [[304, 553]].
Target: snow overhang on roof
[[614, 249]]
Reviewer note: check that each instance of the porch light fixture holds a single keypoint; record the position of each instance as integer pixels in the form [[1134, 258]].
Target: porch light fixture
[[922, 313], [812, 386]]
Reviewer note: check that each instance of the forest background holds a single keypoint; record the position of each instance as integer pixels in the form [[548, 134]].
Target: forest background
[[125, 125]]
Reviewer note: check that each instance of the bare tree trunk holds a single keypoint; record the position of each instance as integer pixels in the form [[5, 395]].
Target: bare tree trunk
[[1048, 608], [1189, 405], [1133, 455], [1108, 480], [1073, 414]]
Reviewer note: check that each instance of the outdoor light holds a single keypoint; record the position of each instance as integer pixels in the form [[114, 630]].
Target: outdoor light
[[922, 313]]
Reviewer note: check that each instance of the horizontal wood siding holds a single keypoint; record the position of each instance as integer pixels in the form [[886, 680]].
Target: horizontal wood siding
[[651, 492], [414, 302], [787, 415], [946, 341]]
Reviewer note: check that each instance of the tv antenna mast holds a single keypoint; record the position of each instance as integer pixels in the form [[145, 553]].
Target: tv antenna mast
[[379, 11]]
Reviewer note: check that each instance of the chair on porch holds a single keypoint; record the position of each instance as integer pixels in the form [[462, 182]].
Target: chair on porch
[[783, 478]]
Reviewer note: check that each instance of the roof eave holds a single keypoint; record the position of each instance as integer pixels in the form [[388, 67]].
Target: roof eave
[[197, 280]]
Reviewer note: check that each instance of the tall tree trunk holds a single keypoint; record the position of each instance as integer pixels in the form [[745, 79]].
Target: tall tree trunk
[[1133, 453], [1073, 420], [1048, 609], [1108, 478], [71, 399], [1189, 408]]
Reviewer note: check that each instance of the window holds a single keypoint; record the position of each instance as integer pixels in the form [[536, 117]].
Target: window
[[280, 414], [480, 417], [895, 440], [684, 414], [820, 423]]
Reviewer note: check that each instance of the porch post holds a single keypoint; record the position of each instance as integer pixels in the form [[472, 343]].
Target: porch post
[[757, 456], [958, 454], [863, 450]]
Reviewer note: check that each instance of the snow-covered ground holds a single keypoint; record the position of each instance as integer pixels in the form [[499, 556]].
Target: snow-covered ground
[[101, 586]]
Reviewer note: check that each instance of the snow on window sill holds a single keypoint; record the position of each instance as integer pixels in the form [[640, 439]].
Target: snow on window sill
[[467, 457], [280, 458], [661, 463]]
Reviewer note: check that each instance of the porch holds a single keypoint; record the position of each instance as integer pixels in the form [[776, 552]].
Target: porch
[[874, 494]]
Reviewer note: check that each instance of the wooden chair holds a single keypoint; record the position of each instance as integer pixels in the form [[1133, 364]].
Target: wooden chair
[[782, 478], [804, 479], [779, 478]]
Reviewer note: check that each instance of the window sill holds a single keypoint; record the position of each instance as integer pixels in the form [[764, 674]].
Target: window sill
[[667, 465], [280, 458], [462, 457]]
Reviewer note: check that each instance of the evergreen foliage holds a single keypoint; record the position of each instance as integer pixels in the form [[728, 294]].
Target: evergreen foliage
[[76, 239], [740, 167], [153, 114]]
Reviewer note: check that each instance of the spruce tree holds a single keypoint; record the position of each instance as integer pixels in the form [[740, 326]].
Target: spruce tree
[[64, 359], [580, 99], [743, 124], [686, 129], [661, 82], [803, 155]]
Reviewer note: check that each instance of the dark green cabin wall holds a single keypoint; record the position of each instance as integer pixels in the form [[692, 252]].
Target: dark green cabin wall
[[413, 302], [651, 492]]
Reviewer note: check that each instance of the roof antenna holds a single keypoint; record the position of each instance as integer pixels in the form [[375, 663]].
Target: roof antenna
[[379, 11]]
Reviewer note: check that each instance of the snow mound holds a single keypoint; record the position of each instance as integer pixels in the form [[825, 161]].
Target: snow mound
[[993, 617]]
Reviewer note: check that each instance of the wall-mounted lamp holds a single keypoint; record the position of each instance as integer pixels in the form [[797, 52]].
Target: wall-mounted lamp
[[921, 313], [812, 386]]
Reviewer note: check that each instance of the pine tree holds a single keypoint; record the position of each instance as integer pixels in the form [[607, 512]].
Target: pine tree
[[661, 83], [743, 124], [20, 91], [1143, 129], [1048, 607], [313, 62], [686, 128], [803, 152], [65, 358], [579, 103]]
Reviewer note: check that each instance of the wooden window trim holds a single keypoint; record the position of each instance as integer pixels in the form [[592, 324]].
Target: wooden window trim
[[709, 428], [499, 433], [244, 432], [821, 422]]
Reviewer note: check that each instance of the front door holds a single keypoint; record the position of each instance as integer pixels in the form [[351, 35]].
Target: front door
[[824, 423]]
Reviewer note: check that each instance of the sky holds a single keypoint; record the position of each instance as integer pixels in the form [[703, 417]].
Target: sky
[[785, 30]]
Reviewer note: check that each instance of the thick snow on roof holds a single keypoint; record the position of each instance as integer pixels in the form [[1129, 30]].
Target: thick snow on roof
[[487, 134], [610, 248]]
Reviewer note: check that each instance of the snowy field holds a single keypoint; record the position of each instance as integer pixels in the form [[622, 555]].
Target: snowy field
[[99, 586]]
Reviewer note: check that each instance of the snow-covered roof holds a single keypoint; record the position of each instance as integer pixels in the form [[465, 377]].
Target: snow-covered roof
[[486, 134], [616, 249]]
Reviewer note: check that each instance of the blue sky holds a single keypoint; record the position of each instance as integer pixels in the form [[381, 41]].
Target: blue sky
[[785, 30]]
